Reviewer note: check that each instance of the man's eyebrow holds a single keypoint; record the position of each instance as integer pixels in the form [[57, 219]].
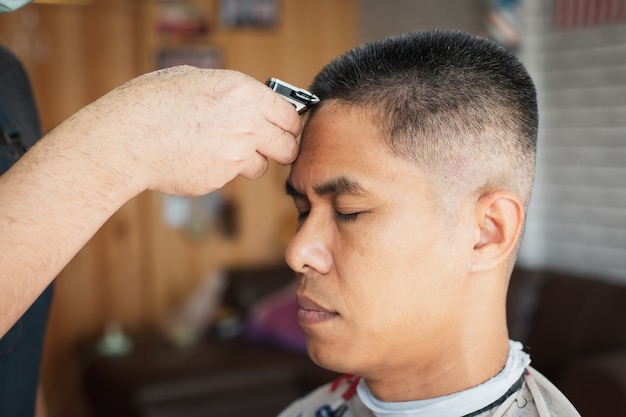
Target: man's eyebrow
[[339, 185]]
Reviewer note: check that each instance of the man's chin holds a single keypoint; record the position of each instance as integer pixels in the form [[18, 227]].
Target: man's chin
[[330, 359]]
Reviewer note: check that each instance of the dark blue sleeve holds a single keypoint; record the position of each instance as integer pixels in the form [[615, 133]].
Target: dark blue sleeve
[[20, 359], [21, 346]]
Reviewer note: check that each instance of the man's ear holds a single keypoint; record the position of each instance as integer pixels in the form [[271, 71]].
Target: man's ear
[[499, 217]]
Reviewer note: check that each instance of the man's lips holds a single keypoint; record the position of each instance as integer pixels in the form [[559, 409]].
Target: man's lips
[[311, 312]]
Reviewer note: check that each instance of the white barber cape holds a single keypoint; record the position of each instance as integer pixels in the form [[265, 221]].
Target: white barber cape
[[517, 391]]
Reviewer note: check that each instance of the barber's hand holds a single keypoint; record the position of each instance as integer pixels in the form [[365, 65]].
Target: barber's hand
[[189, 131]]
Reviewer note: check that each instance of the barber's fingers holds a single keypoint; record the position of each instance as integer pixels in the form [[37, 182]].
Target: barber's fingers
[[279, 136], [255, 167], [277, 144], [280, 112]]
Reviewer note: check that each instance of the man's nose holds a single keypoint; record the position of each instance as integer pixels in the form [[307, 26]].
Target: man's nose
[[309, 249]]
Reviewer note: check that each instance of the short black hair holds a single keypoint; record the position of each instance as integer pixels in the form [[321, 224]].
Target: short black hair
[[444, 98]]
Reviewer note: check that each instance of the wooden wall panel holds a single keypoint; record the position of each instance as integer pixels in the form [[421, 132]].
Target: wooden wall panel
[[137, 271]]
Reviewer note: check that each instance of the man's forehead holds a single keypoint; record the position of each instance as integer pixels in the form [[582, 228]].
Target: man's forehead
[[341, 151], [337, 130]]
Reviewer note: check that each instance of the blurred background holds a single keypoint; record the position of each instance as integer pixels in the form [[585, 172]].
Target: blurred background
[[163, 264]]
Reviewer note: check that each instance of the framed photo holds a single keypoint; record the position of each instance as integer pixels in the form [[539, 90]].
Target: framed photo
[[248, 13], [182, 21], [201, 57]]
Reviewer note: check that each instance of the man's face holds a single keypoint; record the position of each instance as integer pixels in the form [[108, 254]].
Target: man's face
[[376, 253]]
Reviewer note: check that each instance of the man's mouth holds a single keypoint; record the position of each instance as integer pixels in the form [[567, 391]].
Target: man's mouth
[[311, 312]]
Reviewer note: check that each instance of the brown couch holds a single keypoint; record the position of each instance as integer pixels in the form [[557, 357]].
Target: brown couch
[[574, 328]]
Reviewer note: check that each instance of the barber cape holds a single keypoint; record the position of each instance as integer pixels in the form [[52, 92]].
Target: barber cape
[[517, 391], [537, 397]]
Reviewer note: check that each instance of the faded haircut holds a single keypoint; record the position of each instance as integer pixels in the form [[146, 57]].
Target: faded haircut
[[460, 106]]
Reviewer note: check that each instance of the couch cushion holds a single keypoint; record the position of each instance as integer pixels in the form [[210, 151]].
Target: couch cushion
[[248, 284], [597, 386], [576, 317]]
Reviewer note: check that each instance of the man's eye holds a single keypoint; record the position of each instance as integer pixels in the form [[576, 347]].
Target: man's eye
[[346, 217], [302, 215]]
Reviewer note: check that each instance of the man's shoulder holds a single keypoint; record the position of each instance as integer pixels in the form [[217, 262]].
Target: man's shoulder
[[554, 399], [335, 399], [538, 398]]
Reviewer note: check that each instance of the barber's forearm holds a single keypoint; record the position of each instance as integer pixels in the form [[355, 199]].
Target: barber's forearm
[[181, 131], [53, 201]]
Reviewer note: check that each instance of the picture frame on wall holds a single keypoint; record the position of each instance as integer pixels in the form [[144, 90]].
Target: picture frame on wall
[[248, 13], [209, 57]]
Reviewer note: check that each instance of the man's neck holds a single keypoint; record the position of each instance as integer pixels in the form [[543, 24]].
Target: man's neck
[[468, 402], [459, 370]]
